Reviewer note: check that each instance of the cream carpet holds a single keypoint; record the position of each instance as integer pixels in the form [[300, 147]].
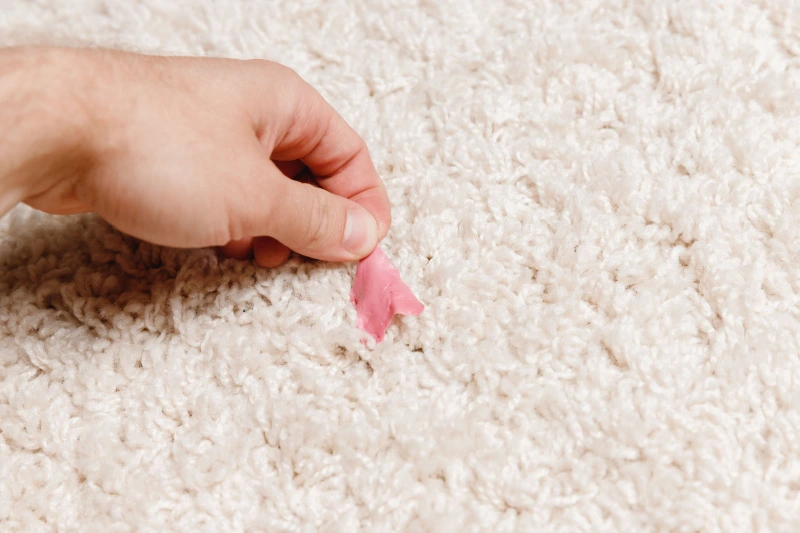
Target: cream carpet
[[599, 203]]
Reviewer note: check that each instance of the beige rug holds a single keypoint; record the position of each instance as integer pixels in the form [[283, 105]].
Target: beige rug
[[599, 204]]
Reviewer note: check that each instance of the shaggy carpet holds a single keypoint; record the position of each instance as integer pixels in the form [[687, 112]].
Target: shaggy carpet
[[599, 204]]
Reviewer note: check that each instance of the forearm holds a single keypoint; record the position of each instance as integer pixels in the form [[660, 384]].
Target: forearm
[[45, 133]]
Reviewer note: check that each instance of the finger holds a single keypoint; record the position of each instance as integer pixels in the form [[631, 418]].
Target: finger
[[62, 207], [306, 219], [239, 249], [314, 133], [244, 249], [269, 253]]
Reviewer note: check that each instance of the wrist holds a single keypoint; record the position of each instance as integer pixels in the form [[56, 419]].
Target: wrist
[[45, 123]]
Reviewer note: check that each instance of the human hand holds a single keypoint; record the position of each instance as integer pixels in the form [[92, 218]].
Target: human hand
[[188, 152]]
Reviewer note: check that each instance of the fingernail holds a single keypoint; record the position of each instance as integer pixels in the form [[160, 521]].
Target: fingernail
[[360, 232]]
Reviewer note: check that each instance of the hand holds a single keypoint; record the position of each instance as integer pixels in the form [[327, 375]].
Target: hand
[[188, 152]]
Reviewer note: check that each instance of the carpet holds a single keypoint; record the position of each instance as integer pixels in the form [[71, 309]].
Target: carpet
[[599, 204]]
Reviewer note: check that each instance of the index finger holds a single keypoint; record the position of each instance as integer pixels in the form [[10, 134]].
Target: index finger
[[314, 133]]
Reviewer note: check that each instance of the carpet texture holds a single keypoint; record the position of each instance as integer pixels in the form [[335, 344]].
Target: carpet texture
[[599, 204]]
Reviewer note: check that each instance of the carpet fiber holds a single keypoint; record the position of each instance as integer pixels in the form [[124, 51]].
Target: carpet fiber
[[599, 204]]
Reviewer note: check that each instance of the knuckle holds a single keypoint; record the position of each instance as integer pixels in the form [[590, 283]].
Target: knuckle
[[272, 69], [241, 203], [221, 235], [232, 231], [318, 220], [288, 72], [261, 64]]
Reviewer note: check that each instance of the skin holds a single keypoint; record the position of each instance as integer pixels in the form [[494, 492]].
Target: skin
[[188, 152]]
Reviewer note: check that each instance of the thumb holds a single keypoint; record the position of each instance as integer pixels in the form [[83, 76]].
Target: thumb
[[319, 224]]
